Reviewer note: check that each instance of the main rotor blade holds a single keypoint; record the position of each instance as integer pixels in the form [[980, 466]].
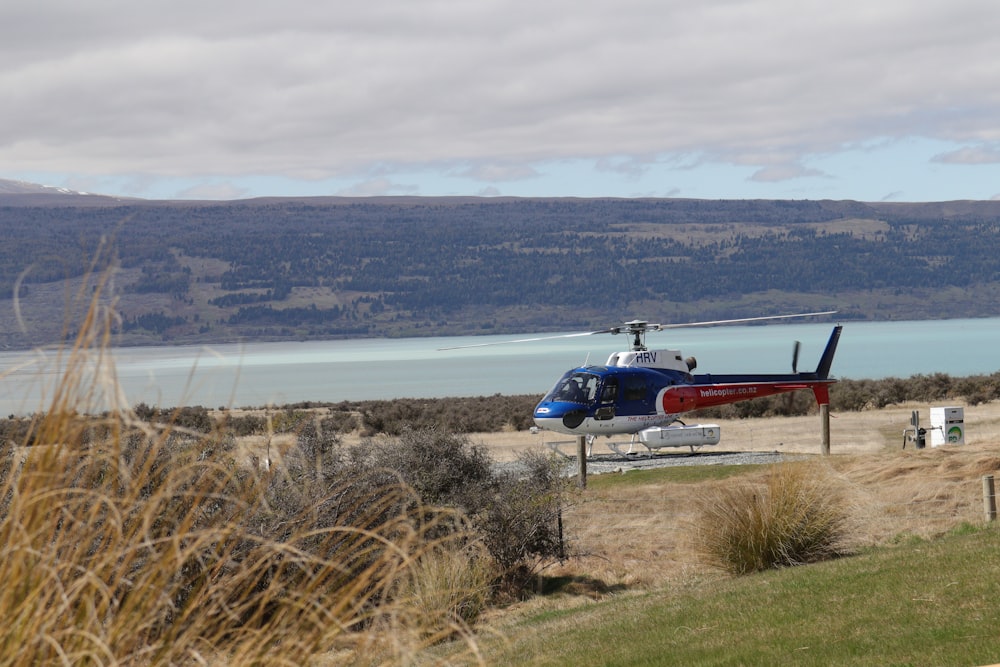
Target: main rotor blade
[[640, 327], [523, 340], [742, 319]]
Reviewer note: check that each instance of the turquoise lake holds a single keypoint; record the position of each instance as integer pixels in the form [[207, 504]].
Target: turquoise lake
[[258, 374]]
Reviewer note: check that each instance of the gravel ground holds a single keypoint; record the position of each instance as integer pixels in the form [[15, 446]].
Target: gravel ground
[[612, 463]]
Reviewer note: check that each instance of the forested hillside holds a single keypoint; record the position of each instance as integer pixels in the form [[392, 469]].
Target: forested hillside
[[318, 268]]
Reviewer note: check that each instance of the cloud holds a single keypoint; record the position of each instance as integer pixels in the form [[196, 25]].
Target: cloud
[[970, 155], [783, 172], [630, 167], [377, 187], [493, 173], [314, 91], [217, 190]]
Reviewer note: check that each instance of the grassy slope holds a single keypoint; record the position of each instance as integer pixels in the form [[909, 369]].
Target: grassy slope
[[925, 602], [922, 590]]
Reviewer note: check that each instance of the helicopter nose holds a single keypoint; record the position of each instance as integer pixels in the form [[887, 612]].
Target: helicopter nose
[[557, 416]]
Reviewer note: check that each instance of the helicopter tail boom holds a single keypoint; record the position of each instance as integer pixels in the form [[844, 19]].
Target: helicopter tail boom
[[713, 390]]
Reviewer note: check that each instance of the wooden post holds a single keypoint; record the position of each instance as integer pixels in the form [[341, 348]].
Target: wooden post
[[989, 498], [581, 457], [824, 416]]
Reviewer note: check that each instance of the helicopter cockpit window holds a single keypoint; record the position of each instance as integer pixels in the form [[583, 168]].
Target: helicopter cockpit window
[[576, 388], [609, 394]]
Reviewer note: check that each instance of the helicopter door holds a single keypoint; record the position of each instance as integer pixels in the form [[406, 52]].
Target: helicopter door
[[609, 396], [636, 396]]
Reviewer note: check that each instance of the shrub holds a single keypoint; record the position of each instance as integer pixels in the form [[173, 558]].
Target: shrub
[[152, 546], [513, 510], [456, 415], [790, 519], [242, 425], [520, 522]]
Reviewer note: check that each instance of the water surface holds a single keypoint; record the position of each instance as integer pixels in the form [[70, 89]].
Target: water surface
[[257, 374]]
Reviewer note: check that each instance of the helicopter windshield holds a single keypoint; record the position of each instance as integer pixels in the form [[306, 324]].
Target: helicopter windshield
[[575, 387]]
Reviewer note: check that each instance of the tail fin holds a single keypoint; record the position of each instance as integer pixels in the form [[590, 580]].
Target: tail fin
[[826, 361]]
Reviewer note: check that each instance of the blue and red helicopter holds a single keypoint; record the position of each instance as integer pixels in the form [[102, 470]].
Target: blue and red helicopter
[[642, 393]]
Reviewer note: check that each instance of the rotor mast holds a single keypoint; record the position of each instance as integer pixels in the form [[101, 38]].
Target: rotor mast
[[637, 329]]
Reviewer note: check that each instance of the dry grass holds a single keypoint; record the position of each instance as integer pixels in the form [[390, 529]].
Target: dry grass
[[635, 536], [632, 537], [150, 548]]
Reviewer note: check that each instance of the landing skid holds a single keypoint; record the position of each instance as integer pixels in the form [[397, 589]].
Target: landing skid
[[654, 438], [557, 444], [616, 447]]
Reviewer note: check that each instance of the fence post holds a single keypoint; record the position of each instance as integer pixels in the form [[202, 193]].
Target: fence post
[[581, 457], [989, 498], [824, 417]]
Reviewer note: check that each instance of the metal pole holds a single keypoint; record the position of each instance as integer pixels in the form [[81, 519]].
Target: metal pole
[[824, 416], [989, 498], [581, 457]]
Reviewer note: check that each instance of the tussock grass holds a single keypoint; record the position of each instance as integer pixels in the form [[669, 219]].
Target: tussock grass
[[152, 545], [793, 517], [444, 585]]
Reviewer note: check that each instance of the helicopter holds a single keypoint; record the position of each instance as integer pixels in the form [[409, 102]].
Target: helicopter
[[642, 393]]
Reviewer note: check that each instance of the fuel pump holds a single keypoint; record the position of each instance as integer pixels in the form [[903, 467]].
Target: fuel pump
[[914, 433]]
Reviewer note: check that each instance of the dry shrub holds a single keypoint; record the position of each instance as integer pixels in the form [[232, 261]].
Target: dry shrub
[[513, 511], [153, 546], [793, 517], [446, 588]]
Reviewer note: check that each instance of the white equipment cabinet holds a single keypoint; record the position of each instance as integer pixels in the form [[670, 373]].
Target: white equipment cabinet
[[947, 426]]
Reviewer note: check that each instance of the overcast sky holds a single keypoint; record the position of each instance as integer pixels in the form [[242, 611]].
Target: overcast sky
[[223, 99]]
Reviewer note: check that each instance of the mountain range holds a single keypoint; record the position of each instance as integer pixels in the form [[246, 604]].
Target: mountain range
[[303, 268], [22, 193]]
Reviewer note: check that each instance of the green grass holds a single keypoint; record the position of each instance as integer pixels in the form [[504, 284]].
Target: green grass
[[927, 603], [678, 474]]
